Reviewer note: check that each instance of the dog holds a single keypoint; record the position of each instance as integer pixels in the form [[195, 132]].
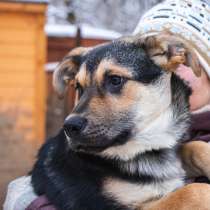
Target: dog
[[120, 148]]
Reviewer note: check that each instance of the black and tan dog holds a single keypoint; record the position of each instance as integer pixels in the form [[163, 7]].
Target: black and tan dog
[[120, 147]]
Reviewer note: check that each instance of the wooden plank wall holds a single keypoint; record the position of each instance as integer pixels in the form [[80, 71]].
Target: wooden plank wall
[[22, 87]]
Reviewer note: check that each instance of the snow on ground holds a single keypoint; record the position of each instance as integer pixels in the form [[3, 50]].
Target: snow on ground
[[32, 1], [64, 30]]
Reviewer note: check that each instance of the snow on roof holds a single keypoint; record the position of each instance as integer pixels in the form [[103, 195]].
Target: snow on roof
[[30, 1], [50, 67], [87, 31]]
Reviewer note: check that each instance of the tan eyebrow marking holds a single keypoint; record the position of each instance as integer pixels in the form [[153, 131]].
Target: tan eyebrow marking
[[83, 77], [113, 69]]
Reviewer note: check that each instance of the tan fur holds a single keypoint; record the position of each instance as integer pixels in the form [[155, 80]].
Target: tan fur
[[83, 77], [131, 194], [169, 51], [109, 66], [124, 102], [196, 157], [190, 197]]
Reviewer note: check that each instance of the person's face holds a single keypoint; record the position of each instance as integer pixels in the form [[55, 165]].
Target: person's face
[[200, 87]]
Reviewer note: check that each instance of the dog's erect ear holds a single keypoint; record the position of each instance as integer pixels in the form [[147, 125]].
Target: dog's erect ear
[[67, 69], [169, 51]]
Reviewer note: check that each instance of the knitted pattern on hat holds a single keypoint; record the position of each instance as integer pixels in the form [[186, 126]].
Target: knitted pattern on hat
[[189, 19]]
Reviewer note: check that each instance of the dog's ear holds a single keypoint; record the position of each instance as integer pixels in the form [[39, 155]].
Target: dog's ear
[[169, 51], [67, 69]]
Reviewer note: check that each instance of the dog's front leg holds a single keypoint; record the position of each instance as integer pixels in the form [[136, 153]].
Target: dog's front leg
[[191, 197], [196, 158]]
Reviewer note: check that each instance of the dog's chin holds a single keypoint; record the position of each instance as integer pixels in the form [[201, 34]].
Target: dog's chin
[[97, 145]]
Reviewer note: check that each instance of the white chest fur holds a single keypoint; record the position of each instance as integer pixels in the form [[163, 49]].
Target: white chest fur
[[133, 194]]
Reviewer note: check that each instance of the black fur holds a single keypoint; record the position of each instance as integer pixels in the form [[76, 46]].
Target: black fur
[[180, 102], [128, 55], [73, 181]]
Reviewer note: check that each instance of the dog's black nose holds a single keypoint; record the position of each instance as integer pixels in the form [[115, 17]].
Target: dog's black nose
[[74, 125]]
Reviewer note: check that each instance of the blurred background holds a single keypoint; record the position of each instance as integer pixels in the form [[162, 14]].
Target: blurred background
[[34, 36]]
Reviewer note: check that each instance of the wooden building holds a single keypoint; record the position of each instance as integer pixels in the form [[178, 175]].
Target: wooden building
[[29, 108], [22, 86]]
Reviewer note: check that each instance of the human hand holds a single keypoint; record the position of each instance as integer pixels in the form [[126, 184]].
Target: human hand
[[200, 87]]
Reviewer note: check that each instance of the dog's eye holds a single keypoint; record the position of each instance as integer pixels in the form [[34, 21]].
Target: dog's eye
[[79, 88], [114, 83], [115, 80]]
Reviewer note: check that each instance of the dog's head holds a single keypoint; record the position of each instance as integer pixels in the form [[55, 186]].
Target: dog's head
[[127, 102]]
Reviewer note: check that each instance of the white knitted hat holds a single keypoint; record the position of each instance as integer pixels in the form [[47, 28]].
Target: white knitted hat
[[189, 19]]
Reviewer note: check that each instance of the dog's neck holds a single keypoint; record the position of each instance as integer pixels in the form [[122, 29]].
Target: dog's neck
[[156, 165]]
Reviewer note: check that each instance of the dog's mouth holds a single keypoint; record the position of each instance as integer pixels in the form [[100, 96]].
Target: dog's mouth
[[83, 144]]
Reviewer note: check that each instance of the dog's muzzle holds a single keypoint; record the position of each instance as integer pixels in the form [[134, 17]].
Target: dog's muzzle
[[74, 126], [81, 138]]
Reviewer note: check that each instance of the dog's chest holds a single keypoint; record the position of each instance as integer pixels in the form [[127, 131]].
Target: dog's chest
[[134, 194]]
